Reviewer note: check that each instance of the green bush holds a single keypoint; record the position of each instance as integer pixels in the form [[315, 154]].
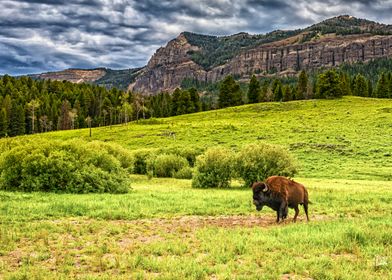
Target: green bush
[[187, 152], [165, 165], [73, 166], [213, 169], [184, 173], [256, 162], [140, 158]]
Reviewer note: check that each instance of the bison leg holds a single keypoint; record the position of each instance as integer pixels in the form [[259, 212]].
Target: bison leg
[[277, 216], [306, 211], [282, 213], [296, 213]]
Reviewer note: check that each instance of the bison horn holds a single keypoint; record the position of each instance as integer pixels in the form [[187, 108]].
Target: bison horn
[[265, 188]]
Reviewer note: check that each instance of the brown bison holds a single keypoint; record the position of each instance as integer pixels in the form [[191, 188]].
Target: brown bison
[[278, 193]]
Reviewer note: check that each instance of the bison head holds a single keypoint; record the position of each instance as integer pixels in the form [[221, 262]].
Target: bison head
[[260, 197]]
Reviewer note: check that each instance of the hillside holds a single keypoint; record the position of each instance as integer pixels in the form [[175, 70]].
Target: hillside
[[209, 59], [101, 76], [344, 138]]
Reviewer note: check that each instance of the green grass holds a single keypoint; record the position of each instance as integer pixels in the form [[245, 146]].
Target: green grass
[[141, 235], [348, 138], [164, 229]]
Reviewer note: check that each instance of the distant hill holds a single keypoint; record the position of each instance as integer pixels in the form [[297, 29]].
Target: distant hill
[[100, 76]]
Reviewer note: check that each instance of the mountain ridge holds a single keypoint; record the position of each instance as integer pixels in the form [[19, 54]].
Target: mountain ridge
[[209, 58]]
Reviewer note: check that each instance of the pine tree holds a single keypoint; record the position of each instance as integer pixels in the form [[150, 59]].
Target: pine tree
[[195, 99], [3, 122], [175, 101], [328, 85], [382, 87], [302, 86], [286, 93], [278, 92], [254, 90], [345, 84], [229, 93], [360, 86]]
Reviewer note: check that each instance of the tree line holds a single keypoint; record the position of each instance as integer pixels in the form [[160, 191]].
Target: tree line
[[328, 84], [30, 106]]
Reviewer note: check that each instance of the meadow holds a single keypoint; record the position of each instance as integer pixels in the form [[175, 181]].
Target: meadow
[[165, 229]]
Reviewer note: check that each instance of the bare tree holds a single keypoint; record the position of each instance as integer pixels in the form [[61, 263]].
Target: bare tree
[[33, 106]]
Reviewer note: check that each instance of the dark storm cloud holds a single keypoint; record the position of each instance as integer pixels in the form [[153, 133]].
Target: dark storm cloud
[[47, 35]]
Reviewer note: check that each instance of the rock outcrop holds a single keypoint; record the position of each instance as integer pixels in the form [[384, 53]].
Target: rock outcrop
[[170, 65], [73, 75]]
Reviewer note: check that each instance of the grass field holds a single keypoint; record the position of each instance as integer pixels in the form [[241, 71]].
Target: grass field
[[349, 138], [164, 229]]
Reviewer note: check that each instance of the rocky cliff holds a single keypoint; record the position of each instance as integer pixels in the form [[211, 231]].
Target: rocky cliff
[[339, 40], [74, 75]]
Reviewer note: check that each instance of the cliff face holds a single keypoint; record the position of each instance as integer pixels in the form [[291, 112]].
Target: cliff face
[[73, 75], [170, 65]]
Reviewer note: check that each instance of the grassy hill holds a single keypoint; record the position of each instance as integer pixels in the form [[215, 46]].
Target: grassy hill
[[165, 229], [346, 138]]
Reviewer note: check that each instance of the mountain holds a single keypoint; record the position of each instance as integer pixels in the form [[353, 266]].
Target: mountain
[[208, 59], [99, 76]]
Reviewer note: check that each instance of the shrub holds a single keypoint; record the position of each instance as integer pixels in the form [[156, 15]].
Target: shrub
[[184, 173], [140, 158], [165, 165], [73, 166], [187, 152], [256, 162], [213, 169]]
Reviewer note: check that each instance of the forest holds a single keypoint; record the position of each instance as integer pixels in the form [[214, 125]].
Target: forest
[[30, 106]]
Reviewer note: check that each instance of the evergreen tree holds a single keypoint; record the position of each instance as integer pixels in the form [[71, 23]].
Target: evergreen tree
[[345, 84], [3, 122], [185, 105], [360, 86], [254, 90], [302, 85], [195, 99], [175, 101], [278, 92], [370, 88], [382, 87], [229, 93], [264, 91], [286, 93], [328, 85]]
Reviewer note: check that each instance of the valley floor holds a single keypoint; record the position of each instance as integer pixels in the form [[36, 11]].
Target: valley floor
[[164, 229]]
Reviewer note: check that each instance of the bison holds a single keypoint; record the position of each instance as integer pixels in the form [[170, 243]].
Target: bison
[[278, 193]]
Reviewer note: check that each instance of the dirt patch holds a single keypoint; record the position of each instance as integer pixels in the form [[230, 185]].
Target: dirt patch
[[189, 223]]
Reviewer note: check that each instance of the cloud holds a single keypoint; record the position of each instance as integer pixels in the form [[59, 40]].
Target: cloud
[[50, 35]]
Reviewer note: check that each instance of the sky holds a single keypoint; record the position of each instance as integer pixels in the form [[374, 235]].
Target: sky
[[49, 35]]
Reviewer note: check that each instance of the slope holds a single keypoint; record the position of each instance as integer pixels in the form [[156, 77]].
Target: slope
[[347, 138]]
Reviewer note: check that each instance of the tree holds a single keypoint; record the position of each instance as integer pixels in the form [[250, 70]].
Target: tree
[[33, 105], [382, 87], [328, 85], [229, 93], [345, 84], [65, 120], [254, 90], [302, 86], [195, 99], [278, 92], [175, 101], [184, 103], [3, 122], [360, 86], [286, 93]]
